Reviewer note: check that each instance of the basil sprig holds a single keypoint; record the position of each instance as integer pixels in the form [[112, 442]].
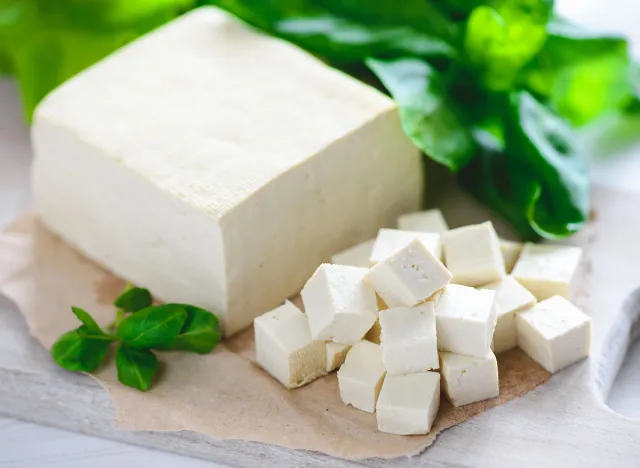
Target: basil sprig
[[139, 328]]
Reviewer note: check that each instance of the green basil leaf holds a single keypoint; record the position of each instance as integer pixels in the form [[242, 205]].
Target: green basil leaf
[[134, 299], [90, 324], [78, 352], [199, 334], [580, 73], [136, 367], [428, 117], [500, 41], [153, 326]]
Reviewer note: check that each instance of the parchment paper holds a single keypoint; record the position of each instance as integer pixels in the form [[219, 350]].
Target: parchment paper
[[223, 394]]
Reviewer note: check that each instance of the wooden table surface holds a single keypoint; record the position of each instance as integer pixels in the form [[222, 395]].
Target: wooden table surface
[[28, 445]]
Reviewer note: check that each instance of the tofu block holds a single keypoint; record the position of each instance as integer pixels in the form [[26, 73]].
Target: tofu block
[[423, 221], [360, 377], [285, 349], [389, 241], [511, 298], [467, 379], [473, 254], [554, 333], [218, 166], [547, 270], [510, 253], [357, 256], [465, 320], [374, 332], [408, 340], [408, 404], [408, 277], [336, 354], [340, 305]]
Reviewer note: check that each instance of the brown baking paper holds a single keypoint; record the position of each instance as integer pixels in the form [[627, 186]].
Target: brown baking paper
[[223, 394]]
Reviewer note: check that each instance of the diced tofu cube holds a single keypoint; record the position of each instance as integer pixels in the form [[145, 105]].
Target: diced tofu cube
[[423, 221], [389, 241], [547, 270], [373, 334], [336, 354], [554, 333], [357, 256], [467, 379], [408, 404], [285, 349], [360, 377], [408, 340], [510, 253], [472, 254], [465, 320], [511, 298], [341, 306], [408, 277]]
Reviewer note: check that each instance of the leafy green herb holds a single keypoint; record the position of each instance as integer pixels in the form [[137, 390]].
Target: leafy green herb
[[134, 299], [179, 327], [136, 367]]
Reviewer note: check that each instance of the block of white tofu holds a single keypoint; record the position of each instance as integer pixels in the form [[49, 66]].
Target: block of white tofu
[[285, 349], [340, 305], [467, 379], [511, 298], [408, 339], [408, 277], [357, 256], [473, 255], [218, 166], [389, 241], [554, 333], [510, 253], [408, 404], [465, 320], [336, 354], [360, 377], [547, 270], [423, 221]]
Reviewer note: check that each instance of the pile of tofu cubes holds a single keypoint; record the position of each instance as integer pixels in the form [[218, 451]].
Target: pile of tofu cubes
[[422, 309]]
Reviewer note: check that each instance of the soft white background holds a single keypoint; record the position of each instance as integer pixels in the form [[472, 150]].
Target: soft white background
[[29, 445]]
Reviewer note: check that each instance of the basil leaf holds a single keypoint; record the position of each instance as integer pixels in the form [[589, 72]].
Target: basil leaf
[[500, 41], [428, 117], [91, 325], [581, 74], [199, 334], [78, 352], [152, 327], [136, 368], [134, 299]]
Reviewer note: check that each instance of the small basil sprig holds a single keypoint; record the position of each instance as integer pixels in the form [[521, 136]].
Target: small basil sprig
[[140, 327]]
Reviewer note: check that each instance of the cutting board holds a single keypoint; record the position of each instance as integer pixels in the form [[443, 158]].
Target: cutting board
[[563, 421]]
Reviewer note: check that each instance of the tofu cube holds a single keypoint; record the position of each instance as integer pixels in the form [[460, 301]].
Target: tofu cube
[[373, 334], [336, 354], [511, 298], [465, 320], [468, 379], [547, 270], [423, 221], [408, 340], [341, 306], [389, 241], [554, 333], [510, 253], [473, 254], [408, 277], [408, 404], [360, 377], [285, 349], [357, 256], [218, 165]]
